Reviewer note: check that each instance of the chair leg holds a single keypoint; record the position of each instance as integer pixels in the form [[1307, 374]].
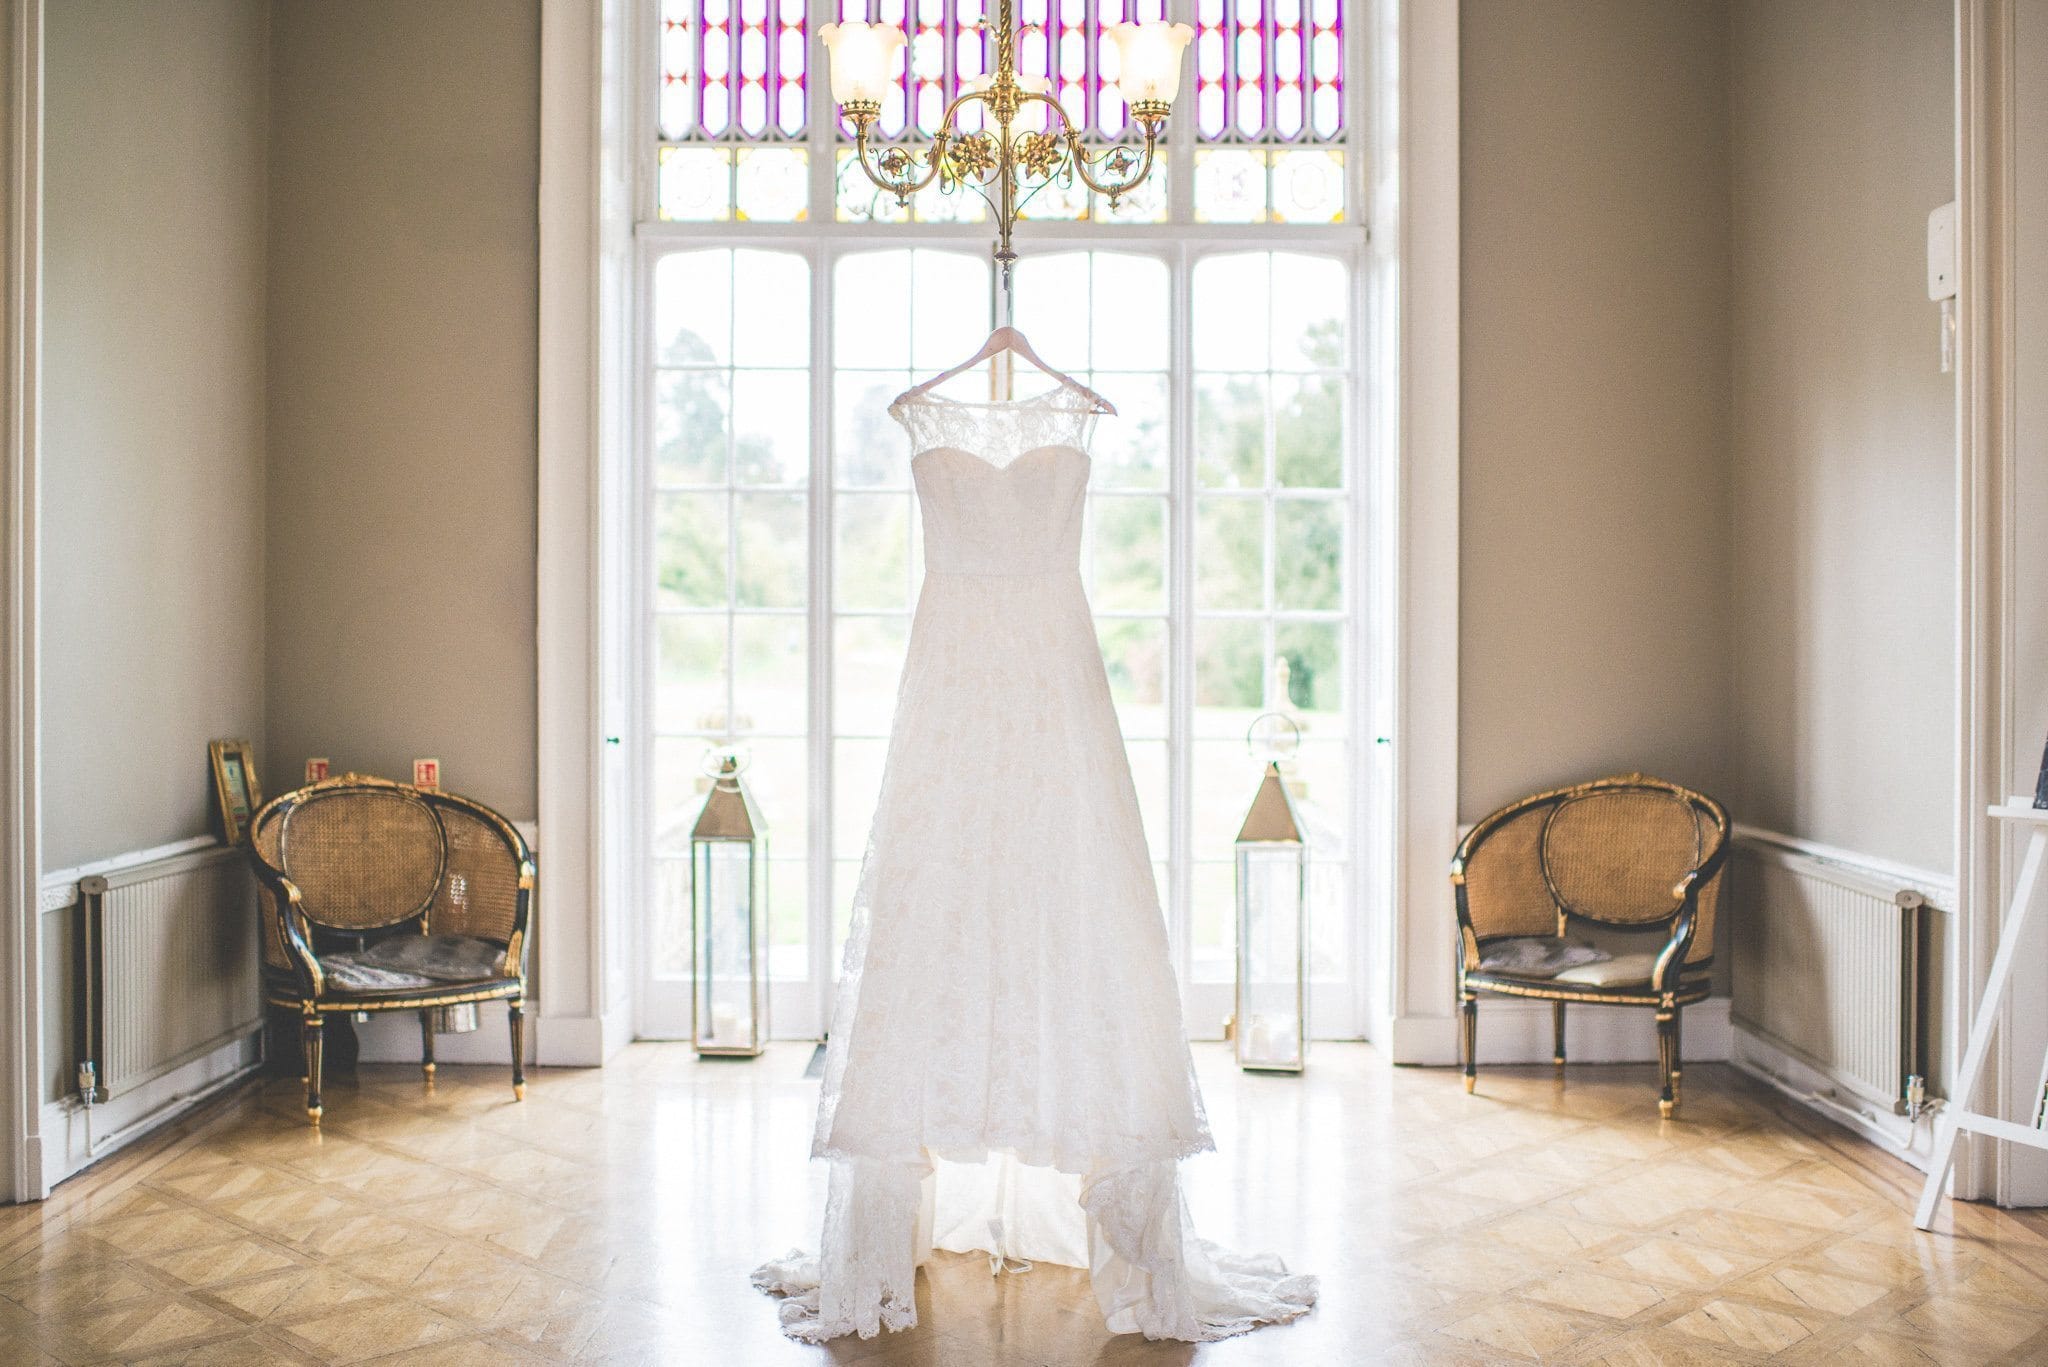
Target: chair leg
[[515, 1015], [427, 1044], [1469, 1039], [1667, 1059], [1557, 1033], [1677, 1051], [314, 1033]]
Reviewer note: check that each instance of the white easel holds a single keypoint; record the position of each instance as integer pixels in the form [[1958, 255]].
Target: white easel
[[1956, 1117]]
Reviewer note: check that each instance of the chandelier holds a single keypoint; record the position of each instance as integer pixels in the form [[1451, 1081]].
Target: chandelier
[[1004, 164]]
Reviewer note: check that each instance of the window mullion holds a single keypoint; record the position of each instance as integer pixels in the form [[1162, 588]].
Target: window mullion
[[1180, 599], [818, 902]]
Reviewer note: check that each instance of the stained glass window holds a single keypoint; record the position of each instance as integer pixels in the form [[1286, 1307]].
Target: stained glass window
[[733, 111], [1265, 95]]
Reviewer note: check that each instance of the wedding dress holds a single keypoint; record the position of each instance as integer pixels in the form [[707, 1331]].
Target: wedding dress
[[1007, 1069]]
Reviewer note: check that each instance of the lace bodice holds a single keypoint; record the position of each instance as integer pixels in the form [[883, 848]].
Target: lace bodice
[[1001, 486]]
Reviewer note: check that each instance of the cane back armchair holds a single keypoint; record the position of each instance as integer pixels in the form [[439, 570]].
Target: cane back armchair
[[378, 896], [1631, 855]]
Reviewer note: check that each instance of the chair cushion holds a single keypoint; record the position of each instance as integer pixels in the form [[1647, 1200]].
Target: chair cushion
[[1620, 971], [401, 962], [1538, 956]]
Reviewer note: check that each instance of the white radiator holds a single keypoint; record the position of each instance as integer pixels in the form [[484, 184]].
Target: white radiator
[[167, 965], [1828, 967]]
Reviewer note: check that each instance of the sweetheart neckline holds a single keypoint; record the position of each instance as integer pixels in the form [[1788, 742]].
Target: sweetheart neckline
[[1022, 456]]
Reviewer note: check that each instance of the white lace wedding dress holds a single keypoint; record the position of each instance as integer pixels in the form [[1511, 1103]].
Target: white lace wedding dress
[[1007, 1069]]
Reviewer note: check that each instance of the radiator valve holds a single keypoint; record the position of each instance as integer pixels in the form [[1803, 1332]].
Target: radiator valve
[[1916, 1096], [88, 1082]]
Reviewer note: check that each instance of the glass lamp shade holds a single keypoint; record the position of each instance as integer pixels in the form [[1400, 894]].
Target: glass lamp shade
[[1149, 59], [863, 59], [728, 920], [1270, 1025]]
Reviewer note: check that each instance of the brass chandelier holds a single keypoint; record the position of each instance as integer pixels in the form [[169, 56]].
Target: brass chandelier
[[1005, 165]]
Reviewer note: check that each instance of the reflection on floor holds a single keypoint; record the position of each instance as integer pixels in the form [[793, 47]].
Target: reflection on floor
[[614, 1215]]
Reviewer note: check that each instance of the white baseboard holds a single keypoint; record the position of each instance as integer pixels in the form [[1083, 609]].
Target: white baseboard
[[120, 1121], [1902, 1138], [551, 1041], [1512, 1032]]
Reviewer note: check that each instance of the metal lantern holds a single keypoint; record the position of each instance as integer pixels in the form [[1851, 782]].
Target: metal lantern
[[1270, 1023], [728, 917]]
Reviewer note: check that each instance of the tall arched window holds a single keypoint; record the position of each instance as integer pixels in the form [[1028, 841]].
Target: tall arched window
[[785, 302]]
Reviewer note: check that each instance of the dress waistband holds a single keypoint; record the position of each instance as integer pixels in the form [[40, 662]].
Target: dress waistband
[[1063, 571]]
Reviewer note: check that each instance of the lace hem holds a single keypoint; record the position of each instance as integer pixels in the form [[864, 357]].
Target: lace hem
[[1153, 1275]]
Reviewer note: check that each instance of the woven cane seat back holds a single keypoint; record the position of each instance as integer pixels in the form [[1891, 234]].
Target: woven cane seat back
[[362, 857], [1615, 855], [479, 892], [1504, 887]]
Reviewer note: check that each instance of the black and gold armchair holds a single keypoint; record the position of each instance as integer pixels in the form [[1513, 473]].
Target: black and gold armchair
[[378, 896], [1629, 855]]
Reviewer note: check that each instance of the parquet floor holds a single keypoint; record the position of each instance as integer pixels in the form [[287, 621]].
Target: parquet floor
[[614, 1215]]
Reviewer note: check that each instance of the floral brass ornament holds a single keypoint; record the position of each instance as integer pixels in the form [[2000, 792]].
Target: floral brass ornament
[[972, 158], [866, 68], [1039, 152]]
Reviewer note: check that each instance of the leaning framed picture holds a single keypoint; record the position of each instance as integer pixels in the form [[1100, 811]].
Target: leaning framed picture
[[235, 787]]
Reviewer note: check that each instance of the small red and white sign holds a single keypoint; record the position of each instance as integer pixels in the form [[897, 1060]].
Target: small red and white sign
[[316, 770], [426, 773]]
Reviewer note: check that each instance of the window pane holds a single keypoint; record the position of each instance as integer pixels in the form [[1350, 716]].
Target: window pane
[[693, 308], [773, 413], [690, 415], [689, 550], [772, 318], [1133, 449], [1128, 541], [1310, 303], [771, 537], [868, 447], [1130, 314], [1230, 431], [1230, 186], [1230, 663], [1308, 554], [1134, 656], [679, 787], [1314, 655], [689, 673], [1213, 922], [772, 184], [949, 308], [871, 555], [1308, 431], [871, 310], [1230, 536], [1308, 187], [695, 184], [1231, 295]]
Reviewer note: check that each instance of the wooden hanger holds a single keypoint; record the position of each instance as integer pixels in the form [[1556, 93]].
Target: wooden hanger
[[1008, 339]]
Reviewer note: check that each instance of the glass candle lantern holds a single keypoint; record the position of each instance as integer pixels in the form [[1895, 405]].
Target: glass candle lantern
[[1270, 1024], [728, 918]]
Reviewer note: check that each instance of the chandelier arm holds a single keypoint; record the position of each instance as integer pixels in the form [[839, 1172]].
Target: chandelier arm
[[1111, 187], [906, 187]]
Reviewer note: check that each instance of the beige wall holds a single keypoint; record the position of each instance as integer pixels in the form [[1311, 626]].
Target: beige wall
[[1844, 445], [154, 457], [1595, 336], [403, 288]]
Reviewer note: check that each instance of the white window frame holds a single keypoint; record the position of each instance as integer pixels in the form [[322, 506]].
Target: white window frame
[[593, 129], [822, 241]]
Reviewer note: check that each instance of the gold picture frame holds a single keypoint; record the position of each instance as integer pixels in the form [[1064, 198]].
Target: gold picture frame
[[236, 789]]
